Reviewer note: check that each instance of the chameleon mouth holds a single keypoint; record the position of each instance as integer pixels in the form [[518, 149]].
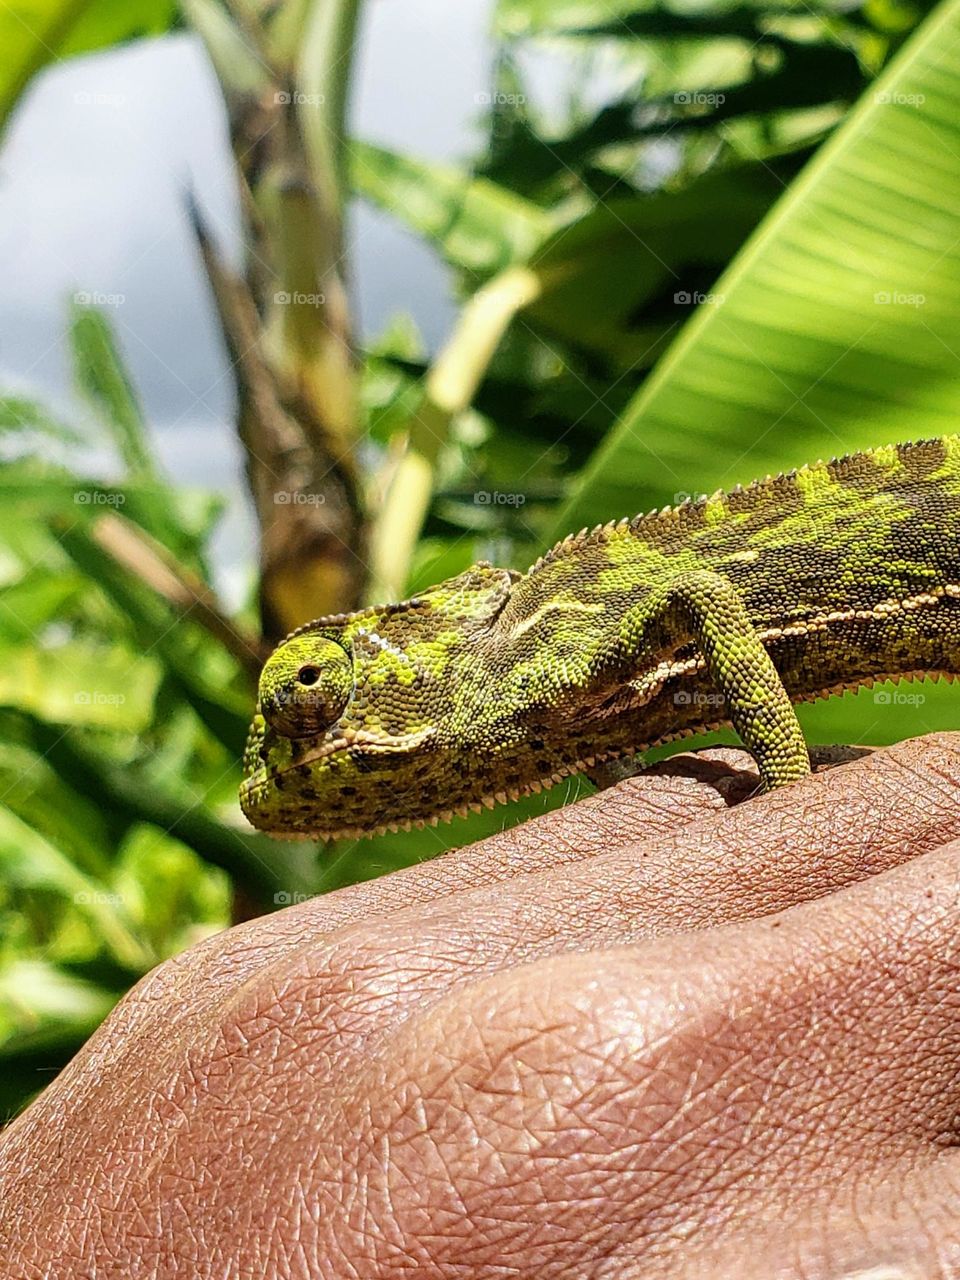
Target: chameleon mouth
[[259, 780]]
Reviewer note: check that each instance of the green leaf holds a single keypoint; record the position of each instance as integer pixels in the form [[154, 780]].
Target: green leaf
[[22, 415], [799, 77], [45, 799], [610, 280], [541, 17], [834, 328], [34, 600], [102, 378], [80, 683], [478, 225], [33, 490], [136, 792], [35, 32], [42, 1006], [174, 898], [30, 863]]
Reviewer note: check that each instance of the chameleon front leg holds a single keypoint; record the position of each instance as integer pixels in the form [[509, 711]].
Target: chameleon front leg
[[706, 607]]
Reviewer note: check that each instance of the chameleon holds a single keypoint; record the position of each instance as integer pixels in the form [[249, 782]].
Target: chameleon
[[726, 610]]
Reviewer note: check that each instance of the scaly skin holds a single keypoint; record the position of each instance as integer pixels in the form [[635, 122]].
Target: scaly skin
[[726, 610]]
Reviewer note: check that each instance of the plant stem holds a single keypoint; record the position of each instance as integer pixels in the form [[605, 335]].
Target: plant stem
[[448, 389]]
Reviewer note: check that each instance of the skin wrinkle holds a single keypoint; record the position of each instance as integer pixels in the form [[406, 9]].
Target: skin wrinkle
[[835, 1146], [207, 978], [879, 1227], [251, 1099], [182, 986]]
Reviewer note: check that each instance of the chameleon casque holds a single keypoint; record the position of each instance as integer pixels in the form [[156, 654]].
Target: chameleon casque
[[725, 610]]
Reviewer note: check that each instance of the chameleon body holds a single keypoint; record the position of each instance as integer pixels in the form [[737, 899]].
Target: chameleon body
[[725, 610]]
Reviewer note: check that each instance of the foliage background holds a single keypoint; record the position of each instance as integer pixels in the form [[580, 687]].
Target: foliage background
[[734, 246]]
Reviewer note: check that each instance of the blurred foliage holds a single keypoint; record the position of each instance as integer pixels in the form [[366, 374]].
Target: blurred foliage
[[35, 32], [704, 222]]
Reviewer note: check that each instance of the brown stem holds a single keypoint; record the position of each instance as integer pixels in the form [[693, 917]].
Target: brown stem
[[187, 593]]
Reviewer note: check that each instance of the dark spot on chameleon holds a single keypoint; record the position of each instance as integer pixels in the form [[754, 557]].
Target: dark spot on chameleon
[[348, 791], [919, 460], [278, 782], [545, 766], [536, 744]]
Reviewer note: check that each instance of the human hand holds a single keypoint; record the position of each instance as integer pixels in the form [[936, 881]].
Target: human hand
[[648, 1035]]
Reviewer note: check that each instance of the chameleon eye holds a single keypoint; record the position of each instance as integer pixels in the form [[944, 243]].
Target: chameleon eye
[[305, 686]]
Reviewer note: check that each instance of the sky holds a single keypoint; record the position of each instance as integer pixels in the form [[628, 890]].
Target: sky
[[92, 175]]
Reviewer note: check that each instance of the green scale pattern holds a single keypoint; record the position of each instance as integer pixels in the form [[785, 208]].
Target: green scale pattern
[[723, 611]]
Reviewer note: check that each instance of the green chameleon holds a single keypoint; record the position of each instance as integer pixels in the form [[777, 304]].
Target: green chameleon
[[725, 610]]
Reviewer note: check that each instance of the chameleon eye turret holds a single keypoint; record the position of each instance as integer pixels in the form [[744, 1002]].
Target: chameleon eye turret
[[306, 686]]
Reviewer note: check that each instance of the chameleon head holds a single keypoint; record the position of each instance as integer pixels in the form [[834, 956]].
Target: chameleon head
[[355, 724]]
